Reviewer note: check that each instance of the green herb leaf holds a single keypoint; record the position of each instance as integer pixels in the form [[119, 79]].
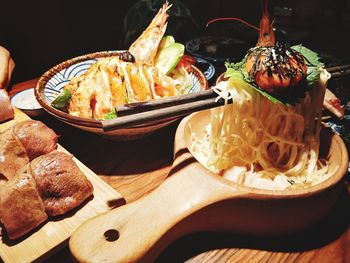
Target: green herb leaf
[[238, 70], [314, 68], [111, 115], [62, 101], [313, 62], [311, 57]]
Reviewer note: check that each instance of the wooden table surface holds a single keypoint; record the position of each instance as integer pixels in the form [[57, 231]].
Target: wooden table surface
[[135, 168]]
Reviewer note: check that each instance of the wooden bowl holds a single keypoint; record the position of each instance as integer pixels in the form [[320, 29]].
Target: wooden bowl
[[194, 199], [52, 82]]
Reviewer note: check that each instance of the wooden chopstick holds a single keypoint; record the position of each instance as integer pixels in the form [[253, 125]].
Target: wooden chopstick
[[207, 100], [175, 100], [161, 109], [134, 108], [338, 68], [163, 113], [340, 73]]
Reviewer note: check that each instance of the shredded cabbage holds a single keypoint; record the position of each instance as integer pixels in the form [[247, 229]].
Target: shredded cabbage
[[182, 79]]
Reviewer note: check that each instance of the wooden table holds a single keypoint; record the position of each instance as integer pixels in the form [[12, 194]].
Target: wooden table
[[135, 168]]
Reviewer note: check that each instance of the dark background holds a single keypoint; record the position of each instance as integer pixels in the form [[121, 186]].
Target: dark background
[[43, 33]]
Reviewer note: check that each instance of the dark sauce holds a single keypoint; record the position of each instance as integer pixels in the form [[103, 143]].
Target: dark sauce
[[127, 57]]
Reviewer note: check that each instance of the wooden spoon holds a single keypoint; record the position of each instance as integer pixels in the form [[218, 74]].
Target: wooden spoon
[[194, 199]]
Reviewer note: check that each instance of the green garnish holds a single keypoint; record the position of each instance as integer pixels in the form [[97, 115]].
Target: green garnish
[[314, 65], [62, 101], [166, 41], [111, 115], [238, 71], [311, 57], [168, 57]]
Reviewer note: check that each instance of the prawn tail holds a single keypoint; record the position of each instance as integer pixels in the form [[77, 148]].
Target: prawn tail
[[162, 16], [145, 47]]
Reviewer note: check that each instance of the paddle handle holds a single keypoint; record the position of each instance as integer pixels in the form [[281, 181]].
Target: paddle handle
[[140, 230]]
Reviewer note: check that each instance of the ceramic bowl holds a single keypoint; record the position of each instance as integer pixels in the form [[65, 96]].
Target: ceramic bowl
[[52, 82], [25, 101], [206, 67]]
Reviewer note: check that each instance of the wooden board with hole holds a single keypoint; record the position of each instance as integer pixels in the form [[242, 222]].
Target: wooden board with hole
[[52, 235]]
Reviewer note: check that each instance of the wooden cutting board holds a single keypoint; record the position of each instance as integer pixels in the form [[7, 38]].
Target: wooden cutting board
[[50, 237]]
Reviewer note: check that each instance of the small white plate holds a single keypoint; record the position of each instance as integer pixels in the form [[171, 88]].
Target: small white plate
[[25, 101]]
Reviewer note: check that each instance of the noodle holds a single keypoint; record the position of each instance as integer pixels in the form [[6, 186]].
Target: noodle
[[261, 144]]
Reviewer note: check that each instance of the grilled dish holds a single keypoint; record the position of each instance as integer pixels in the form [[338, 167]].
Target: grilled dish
[[36, 180], [23, 142], [269, 136], [50, 185], [148, 70]]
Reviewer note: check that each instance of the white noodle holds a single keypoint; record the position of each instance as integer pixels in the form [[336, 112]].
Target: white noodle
[[261, 144]]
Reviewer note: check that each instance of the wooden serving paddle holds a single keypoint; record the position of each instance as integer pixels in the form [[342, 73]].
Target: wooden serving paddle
[[193, 199]]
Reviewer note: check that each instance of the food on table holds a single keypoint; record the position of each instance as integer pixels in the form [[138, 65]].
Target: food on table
[[37, 181], [150, 69], [169, 57], [20, 205], [6, 110], [23, 142], [275, 67], [145, 48], [13, 155], [60, 183], [50, 185], [269, 136], [36, 137]]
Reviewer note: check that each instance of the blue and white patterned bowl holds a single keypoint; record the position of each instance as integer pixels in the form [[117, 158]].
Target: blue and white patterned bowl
[[52, 82]]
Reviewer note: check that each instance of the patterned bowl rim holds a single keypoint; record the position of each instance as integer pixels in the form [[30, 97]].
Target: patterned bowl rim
[[87, 122]]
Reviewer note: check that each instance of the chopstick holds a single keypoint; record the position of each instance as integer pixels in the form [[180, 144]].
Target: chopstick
[[134, 108], [339, 71], [338, 68], [169, 108], [165, 113]]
